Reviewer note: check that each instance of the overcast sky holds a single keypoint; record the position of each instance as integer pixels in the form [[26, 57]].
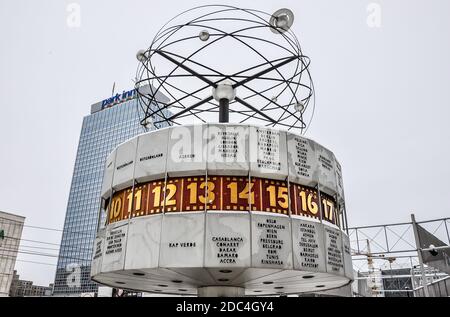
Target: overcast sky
[[382, 99]]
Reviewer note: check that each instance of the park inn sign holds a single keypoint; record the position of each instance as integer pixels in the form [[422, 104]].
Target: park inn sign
[[119, 98]]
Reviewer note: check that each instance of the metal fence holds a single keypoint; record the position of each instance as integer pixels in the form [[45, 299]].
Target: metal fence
[[439, 288], [381, 251]]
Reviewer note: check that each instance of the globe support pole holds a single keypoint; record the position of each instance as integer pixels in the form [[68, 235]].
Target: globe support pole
[[221, 291], [224, 110]]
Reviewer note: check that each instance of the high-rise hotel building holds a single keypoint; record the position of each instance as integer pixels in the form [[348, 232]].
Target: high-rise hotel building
[[111, 122]]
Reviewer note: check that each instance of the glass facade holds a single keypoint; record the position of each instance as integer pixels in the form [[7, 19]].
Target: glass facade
[[101, 132]]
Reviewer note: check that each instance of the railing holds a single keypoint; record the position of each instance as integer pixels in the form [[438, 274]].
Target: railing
[[438, 288]]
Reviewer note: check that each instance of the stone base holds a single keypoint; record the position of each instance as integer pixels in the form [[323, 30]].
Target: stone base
[[221, 291]]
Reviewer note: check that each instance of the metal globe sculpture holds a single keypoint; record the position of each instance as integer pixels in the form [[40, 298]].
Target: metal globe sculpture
[[255, 53]]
